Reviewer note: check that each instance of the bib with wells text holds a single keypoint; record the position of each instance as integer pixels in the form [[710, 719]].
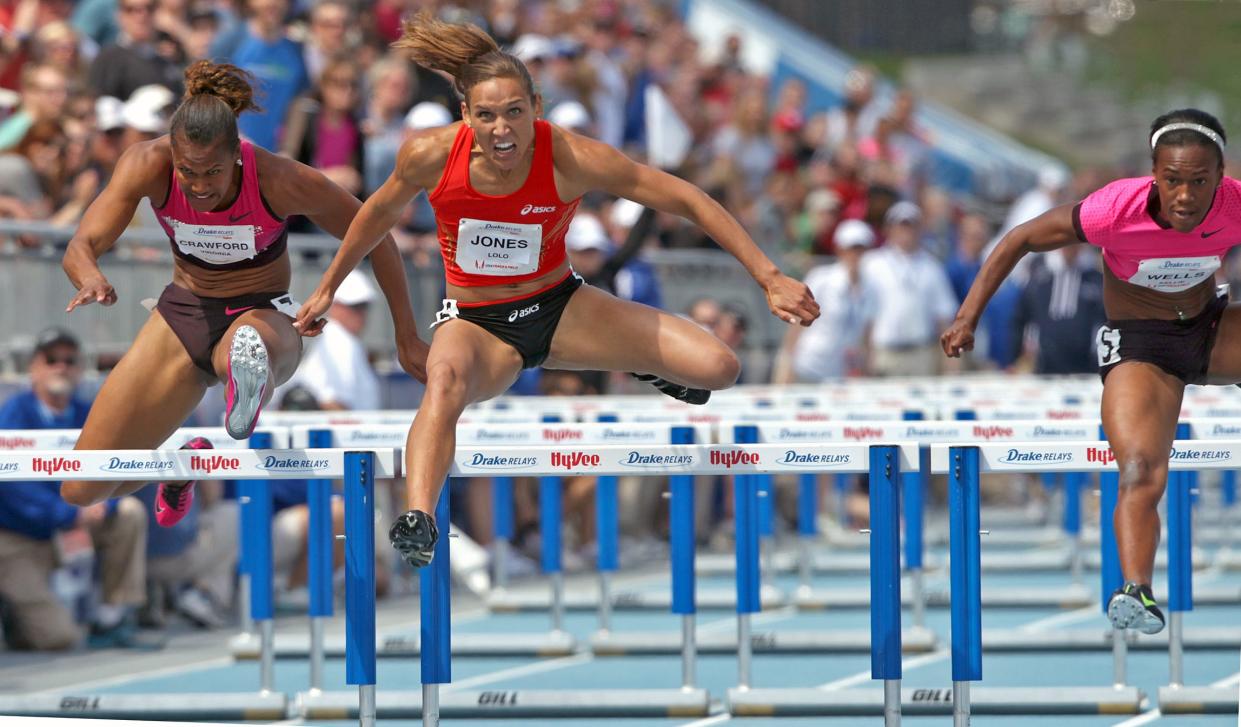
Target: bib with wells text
[[1170, 275]]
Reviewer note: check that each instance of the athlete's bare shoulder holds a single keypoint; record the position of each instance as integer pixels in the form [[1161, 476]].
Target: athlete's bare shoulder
[[423, 155], [145, 168], [582, 163]]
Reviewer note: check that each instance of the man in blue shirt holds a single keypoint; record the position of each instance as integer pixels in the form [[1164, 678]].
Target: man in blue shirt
[[32, 514], [278, 64]]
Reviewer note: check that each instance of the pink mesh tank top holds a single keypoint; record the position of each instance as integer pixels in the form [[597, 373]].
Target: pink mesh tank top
[[1118, 219]]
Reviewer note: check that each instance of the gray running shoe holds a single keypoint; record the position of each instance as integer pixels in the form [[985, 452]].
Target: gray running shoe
[[247, 381]]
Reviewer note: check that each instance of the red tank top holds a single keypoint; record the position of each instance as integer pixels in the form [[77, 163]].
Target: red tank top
[[489, 240], [246, 235]]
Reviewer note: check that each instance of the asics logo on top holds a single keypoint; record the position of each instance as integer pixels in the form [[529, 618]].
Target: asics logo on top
[[535, 210], [523, 312]]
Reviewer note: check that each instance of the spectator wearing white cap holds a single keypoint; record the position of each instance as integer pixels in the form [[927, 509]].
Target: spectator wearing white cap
[[636, 279], [145, 114], [836, 344], [419, 217], [915, 298], [427, 115], [587, 244], [572, 115], [336, 369]]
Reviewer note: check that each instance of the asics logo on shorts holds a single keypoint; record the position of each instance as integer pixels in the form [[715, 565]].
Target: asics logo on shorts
[[523, 312], [534, 210]]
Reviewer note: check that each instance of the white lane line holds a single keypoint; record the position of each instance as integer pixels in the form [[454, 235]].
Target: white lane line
[[519, 671], [708, 721], [213, 662], [912, 662], [208, 663]]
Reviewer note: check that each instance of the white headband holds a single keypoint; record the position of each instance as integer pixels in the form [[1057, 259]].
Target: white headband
[[1187, 126]]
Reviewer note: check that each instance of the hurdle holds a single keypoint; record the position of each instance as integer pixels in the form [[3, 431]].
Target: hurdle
[[884, 468], [926, 433], [597, 460], [963, 464], [113, 465], [654, 429], [267, 438], [1180, 559]]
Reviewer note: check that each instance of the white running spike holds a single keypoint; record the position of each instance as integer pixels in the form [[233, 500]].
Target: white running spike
[[247, 372]]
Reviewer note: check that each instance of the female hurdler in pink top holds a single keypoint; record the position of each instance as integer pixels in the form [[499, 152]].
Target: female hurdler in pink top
[[1143, 250], [1163, 238]]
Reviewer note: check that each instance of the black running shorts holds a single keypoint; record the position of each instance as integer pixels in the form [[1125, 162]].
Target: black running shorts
[[1182, 348], [527, 324]]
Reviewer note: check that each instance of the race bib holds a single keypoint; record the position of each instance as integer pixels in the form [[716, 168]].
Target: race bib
[[498, 248], [1172, 274], [215, 244]]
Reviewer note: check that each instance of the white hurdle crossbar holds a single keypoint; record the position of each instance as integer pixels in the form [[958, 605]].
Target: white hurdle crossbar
[[246, 464]]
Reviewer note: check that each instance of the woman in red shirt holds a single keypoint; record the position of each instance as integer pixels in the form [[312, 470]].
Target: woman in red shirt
[[504, 185]]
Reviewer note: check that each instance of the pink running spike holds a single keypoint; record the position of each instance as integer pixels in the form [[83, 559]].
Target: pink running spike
[[175, 499]]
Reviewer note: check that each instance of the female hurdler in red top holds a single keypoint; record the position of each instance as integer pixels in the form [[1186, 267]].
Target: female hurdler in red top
[[504, 186], [1162, 239], [227, 316]]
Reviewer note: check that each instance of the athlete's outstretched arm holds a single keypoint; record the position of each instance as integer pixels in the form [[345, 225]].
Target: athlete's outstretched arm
[[369, 227], [329, 206], [589, 164], [103, 223], [1049, 231]]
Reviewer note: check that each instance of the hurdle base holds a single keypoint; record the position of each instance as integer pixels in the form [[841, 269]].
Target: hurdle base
[[200, 707], [919, 702], [915, 640], [1198, 700], [548, 644], [707, 599], [513, 704], [1203, 638]]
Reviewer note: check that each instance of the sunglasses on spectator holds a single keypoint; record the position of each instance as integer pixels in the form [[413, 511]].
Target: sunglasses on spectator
[[68, 360]]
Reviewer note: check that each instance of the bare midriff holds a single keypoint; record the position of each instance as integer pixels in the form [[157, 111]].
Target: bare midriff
[[270, 278], [1125, 301], [504, 291]]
